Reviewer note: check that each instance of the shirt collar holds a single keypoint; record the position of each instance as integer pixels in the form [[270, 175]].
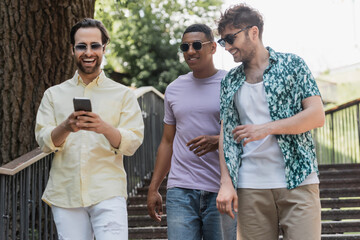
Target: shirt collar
[[273, 55], [98, 80]]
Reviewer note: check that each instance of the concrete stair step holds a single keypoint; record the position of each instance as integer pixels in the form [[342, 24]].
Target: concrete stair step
[[337, 237], [339, 173], [338, 214], [340, 203], [333, 227], [340, 237], [140, 209], [340, 183], [145, 220], [144, 190], [340, 192], [136, 200], [324, 167], [148, 233]]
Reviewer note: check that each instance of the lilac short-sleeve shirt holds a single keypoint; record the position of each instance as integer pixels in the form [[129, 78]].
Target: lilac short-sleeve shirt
[[193, 105]]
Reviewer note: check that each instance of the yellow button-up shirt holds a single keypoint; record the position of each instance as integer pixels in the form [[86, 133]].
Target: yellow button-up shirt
[[86, 169]]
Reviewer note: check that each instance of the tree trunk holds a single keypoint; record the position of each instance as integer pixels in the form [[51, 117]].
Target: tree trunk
[[35, 54]]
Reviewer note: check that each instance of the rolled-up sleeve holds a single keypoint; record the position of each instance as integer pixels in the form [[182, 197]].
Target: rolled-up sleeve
[[45, 124], [131, 126]]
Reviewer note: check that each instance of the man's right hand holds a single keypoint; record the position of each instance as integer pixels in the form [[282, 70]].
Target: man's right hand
[[227, 197], [154, 205], [60, 133], [70, 123]]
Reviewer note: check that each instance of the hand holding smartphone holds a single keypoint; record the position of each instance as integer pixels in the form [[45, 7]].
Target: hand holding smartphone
[[82, 104]]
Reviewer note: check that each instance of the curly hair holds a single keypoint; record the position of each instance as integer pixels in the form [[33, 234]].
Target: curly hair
[[240, 16]]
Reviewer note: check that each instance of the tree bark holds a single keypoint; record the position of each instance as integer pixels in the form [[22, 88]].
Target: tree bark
[[35, 54]]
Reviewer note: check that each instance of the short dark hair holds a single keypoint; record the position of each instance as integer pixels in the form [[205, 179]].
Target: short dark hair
[[90, 23], [200, 28], [240, 16]]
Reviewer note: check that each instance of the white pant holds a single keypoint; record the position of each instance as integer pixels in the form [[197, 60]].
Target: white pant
[[106, 220]]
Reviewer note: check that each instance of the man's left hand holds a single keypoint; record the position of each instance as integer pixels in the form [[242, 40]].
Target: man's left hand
[[203, 144], [91, 122]]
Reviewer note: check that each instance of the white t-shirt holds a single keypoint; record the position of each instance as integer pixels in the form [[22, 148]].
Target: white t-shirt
[[263, 165]]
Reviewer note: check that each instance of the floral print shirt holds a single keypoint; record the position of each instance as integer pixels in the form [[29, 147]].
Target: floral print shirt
[[287, 81]]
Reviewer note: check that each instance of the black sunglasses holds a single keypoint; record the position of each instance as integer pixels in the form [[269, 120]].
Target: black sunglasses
[[83, 47], [197, 45], [231, 37]]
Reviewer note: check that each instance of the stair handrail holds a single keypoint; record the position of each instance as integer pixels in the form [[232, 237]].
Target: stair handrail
[[13, 167], [342, 106]]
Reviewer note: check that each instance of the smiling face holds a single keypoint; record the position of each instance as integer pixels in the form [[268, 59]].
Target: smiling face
[[198, 60], [243, 49], [89, 60]]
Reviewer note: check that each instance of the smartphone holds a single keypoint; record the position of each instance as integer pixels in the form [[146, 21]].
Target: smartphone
[[82, 104]]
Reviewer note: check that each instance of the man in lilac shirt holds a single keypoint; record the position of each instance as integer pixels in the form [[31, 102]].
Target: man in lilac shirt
[[189, 147]]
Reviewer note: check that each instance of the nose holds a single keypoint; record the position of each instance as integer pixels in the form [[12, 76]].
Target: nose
[[227, 46], [88, 50], [191, 49]]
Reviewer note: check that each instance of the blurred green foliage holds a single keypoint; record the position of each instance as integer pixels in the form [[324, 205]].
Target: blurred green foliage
[[145, 37]]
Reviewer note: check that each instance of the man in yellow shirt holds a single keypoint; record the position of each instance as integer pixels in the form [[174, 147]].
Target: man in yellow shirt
[[87, 183]]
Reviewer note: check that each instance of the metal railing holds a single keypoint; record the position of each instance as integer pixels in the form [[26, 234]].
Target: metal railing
[[142, 163], [22, 213], [339, 140]]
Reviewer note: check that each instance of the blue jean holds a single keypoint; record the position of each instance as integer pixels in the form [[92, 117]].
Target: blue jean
[[192, 215], [229, 226]]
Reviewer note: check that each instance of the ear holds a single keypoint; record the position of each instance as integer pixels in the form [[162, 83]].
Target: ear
[[213, 47], [104, 48], [72, 50], [254, 33]]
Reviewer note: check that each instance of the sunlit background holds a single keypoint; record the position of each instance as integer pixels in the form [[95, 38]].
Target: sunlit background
[[325, 33]]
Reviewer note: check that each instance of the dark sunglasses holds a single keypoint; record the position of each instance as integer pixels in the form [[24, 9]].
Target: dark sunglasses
[[231, 37], [197, 45], [83, 47]]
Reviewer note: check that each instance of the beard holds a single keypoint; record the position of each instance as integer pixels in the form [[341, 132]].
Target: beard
[[88, 70], [249, 53], [248, 56]]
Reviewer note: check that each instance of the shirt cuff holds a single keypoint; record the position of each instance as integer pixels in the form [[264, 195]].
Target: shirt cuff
[[48, 145], [130, 142]]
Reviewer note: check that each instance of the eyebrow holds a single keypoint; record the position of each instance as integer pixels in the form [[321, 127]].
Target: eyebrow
[[86, 44], [196, 41], [229, 34]]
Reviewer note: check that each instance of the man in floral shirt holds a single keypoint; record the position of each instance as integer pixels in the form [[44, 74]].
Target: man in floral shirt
[[268, 106]]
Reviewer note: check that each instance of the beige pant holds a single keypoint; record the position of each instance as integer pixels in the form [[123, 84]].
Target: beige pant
[[262, 212]]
